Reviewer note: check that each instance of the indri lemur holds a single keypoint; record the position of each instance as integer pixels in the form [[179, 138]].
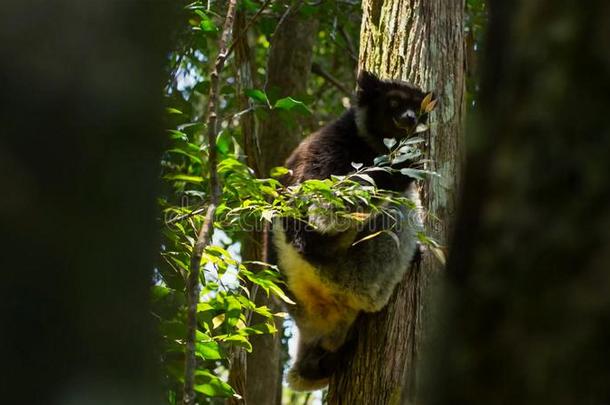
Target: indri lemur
[[331, 279]]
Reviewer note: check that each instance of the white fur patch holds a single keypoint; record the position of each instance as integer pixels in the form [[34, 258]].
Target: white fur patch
[[360, 118]]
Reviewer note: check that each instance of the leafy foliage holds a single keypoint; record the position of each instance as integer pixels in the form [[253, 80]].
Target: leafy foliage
[[247, 202], [227, 301]]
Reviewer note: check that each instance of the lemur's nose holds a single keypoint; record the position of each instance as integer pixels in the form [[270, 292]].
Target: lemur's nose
[[408, 118]]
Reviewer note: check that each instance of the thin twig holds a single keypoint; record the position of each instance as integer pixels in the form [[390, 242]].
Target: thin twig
[[185, 216], [247, 27], [319, 70], [348, 43], [205, 233]]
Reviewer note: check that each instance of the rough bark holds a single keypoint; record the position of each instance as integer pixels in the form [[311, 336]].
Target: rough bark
[[249, 251], [288, 68], [289, 64], [268, 143], [82, 135], [421, 42], [529, 281]]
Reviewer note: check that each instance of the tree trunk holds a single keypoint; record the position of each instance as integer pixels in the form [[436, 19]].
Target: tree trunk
[[82, 137], [268, 144], [528, 317], [421, 42], [288, 69]]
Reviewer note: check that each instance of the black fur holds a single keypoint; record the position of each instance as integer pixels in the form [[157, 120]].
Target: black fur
[[369, 270], [333, 148]]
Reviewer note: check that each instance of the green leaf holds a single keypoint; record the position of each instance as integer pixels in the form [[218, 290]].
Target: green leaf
[[171, 110], [209, 350], [192, 157], [289, 103], [380, 160], [257, 95], [210, 385], [278, 291], [206, 24], [175, 134], [417, 174], [158, 292], [184, 177], [239, 340], [316, 185], [218, 320], [223, 142], [233, 310], [365, 177], [260, 329], [279, 171]]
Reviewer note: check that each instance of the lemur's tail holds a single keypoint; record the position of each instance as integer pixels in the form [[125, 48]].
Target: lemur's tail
[[312, 368]]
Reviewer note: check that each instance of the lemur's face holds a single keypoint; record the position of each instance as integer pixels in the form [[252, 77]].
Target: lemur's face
[[392, 108]]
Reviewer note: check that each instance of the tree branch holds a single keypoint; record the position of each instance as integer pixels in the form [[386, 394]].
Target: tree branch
[[247, 27], [185, 216], [319, 70], [205, 233], [348, 43]]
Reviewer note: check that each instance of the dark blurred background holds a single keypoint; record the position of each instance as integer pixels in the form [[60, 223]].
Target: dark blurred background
[[81, 137]]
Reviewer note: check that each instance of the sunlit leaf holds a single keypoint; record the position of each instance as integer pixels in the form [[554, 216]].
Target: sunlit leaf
[[171, 110], [209, 350], [278, 291], [421, 128], [389, 142], [365, 177], [211, 385], [282, 315], [368, 237], [439, 254], [184, 177], [279, 171], [239, 340], [218, 320]]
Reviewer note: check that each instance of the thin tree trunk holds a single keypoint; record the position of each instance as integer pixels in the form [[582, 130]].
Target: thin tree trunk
[[288, 69], [287, 72], [268, 141], [249, 251], [528, 322], [421, 42]]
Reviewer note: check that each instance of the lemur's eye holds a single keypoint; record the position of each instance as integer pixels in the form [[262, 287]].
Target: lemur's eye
[[394, 103]]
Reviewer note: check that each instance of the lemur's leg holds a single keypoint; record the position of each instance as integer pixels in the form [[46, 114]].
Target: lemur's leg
[[317, 359]]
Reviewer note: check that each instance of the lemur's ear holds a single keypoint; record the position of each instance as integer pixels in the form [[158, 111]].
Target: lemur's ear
[[367, 81], [368, 87]]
